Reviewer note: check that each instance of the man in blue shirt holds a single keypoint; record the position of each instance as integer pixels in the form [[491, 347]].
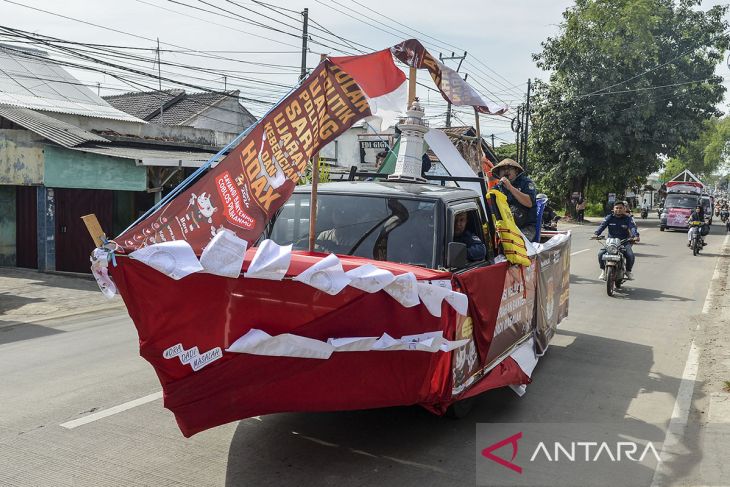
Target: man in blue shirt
[[475, 248], [620, 225], [521, 195]]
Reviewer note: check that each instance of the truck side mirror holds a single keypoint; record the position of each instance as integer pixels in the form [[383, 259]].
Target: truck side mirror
[[456, 255]]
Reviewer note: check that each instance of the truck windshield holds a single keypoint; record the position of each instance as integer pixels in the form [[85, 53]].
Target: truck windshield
[[381, 228], [681, 201]]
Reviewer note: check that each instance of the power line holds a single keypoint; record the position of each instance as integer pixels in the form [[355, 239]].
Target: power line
[[51, 42], [650, 70], [111, 29]]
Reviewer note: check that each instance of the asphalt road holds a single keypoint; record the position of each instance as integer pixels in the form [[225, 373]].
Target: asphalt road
[[614, 359]]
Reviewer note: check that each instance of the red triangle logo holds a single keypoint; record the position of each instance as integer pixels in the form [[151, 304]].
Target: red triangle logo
[[512, 440]]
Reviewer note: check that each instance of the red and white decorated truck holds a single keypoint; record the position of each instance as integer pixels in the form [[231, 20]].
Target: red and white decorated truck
[[240, 317], [684, 193]]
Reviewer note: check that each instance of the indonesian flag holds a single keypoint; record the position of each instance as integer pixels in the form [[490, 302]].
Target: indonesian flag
[[384, 84]]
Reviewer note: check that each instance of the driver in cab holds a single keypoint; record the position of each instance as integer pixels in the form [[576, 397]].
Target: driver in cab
[[620, 225], [475, 248], [341, 237]]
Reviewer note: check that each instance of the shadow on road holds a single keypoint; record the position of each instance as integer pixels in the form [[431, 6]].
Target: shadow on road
[[647, 294], [574, 279], [408, 446], [11, 331], [10, 301]]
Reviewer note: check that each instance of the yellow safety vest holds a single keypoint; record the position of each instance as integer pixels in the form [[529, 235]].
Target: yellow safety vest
[[509, 235]]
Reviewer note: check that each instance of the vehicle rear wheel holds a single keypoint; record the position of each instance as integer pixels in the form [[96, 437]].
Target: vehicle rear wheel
[[695, 245], [661, 228], [461, 409], [610, 276]]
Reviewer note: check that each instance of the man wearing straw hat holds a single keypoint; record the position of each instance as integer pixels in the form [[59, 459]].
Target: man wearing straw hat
[[521, 195]]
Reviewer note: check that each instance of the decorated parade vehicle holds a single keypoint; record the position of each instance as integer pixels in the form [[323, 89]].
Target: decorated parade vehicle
[[252, 295], [684, 193]]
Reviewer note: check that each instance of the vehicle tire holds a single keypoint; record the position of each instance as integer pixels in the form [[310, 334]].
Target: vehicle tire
[[661, 228], [461, 409], [610, 284], [695, 246]]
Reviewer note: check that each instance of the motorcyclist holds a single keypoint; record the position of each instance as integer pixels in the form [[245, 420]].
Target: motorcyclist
[[697, 216], [620, 225], [548, 214]]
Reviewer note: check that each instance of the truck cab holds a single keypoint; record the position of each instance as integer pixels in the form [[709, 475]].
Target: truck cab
[[390, 221]]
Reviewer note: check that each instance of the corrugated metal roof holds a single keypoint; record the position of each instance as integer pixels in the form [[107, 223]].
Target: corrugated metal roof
[[54, 130], [150, 156], [30, 79], [69, 107]]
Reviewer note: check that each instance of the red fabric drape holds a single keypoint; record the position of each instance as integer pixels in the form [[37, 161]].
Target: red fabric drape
[[484, 287]]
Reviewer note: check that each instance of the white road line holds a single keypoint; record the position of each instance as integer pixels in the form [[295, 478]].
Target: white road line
[[715, 277], [675, 431], [579, 252], [111, 411], [680, 414]]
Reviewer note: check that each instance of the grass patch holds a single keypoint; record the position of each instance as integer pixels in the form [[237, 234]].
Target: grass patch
[[594, 209], [726, 387]]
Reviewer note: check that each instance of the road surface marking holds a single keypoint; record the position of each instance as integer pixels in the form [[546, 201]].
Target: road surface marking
[[579, 252], [715, 278], [683, 403], [361, 452], [111, 411], [680, 414]]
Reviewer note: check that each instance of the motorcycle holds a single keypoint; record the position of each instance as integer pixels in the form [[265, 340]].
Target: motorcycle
[[615, 262], [552, 225], [696, 241], [644, 213]]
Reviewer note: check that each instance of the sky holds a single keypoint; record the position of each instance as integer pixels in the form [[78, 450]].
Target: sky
[[499, 37]]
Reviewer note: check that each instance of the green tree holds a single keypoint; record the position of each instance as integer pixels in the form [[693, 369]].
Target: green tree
[[630, 80], [704, 155], [505, 151]]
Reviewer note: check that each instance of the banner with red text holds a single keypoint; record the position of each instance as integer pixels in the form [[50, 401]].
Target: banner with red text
[[254, 180]]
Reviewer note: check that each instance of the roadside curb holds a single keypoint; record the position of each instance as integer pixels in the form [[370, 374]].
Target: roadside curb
[[715, 341]]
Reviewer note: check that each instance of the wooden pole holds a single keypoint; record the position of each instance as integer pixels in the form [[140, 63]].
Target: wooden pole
[[94, 228], [411, 86], [313, 194], [479, 138]]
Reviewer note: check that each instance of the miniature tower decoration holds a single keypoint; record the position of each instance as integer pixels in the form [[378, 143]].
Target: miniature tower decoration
[[408, 164]]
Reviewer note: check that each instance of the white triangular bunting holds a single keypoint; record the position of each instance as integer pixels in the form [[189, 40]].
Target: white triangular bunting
[[270, 262], [326, 275]]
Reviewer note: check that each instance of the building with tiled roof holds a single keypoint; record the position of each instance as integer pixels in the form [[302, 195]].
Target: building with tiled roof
[[220, 111]]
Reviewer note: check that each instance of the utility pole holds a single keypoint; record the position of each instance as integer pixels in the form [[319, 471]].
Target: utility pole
[[305, 26], [159, 77], [517, 129], [492, 141], [461, 60], [527, 124]]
